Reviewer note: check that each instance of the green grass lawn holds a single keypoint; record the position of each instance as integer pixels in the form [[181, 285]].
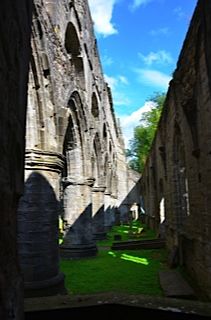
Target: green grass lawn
[[128, 271], [136, 231], [132, 272]]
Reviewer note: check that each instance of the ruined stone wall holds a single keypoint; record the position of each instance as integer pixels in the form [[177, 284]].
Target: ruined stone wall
[[75, 163], [178, 168], [134, 191], [15, 24]]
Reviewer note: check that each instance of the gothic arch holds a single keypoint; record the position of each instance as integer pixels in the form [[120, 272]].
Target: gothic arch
[[161, 201], [114, 182], [95, 107], [181, 197], [97, 167], [106, 170], [105, 136], [73, 48], [74, 140], [72, 43], [75, 103], [76, 191], [41, 108]]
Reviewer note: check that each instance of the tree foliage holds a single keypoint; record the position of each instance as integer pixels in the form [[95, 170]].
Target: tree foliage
[[140, 144]]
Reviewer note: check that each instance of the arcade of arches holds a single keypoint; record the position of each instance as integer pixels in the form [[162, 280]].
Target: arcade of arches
[[75, 165]]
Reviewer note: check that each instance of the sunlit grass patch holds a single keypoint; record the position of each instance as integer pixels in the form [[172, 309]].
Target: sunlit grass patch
[[127, 232], [131, 258], [128, 271]]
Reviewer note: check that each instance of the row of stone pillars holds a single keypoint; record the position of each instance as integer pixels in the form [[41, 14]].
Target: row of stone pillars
[[87, 215], [78, 236], [38, 224]]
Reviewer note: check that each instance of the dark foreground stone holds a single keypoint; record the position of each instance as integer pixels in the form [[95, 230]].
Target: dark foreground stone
[[107, 304], [174, 285]]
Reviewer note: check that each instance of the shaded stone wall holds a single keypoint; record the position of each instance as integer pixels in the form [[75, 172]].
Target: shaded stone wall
[[134, 190], [15, 28], [178, 168]]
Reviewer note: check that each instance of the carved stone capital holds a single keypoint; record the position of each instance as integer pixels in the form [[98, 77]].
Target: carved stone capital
[[90, 181], [114, 195], [107, 193], [43, 160], [72, 181], [67, 181], [98, 189]]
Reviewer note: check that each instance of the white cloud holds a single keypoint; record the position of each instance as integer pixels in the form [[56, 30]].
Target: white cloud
[[107, 61], [153, 78], [101, 12], [123, 80], [116, 83], [161, 31], [137, 3], [179, 13], [159, 57], [120, 99], [128, 123], [112, 82]]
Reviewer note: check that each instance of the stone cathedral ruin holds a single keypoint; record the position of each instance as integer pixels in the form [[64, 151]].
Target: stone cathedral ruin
[[57, 110], [75, 163]]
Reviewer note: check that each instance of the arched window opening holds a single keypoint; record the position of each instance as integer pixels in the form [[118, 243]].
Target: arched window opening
[[97, 170], [45, 65], [76, 101], [104, 132], [110, 147], [95, 109], [162, 210], [162, 202], [70, 139], [72, 43], [182, 208]]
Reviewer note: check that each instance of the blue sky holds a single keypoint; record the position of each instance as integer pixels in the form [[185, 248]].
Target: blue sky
[[139, 42]]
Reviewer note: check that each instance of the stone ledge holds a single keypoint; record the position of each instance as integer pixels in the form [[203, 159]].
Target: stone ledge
[[183, 306]]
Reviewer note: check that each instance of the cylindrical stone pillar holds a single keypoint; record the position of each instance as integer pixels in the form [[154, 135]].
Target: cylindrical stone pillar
[[98, 213], [124, 213], [108, 212], [78, 236], [38, 224], [115, 210]]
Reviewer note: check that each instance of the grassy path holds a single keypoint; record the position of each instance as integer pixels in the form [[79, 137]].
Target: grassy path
[[130, 272]]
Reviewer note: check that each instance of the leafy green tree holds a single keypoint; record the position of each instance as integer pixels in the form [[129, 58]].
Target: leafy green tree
[[140, 144]]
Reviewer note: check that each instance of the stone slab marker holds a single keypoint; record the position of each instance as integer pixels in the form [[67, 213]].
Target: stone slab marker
[[175, 286]]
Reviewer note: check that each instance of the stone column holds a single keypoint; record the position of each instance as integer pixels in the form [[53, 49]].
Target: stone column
[[115, 213], [38, 224], [124, 213], [78, 237], [108, 213], [98, 213]]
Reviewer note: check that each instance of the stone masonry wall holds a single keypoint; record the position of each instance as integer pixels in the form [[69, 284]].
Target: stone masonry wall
[[74, 145], [178, 168]]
